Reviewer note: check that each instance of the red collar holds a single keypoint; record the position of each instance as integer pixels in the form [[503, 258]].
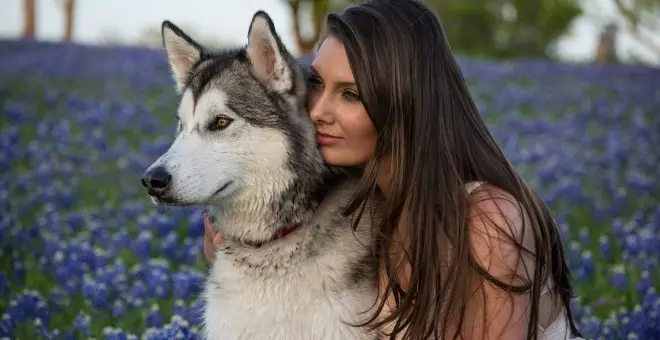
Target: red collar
[[281, 233]]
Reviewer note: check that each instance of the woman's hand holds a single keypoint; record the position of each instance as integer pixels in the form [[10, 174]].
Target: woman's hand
[[212, 240]]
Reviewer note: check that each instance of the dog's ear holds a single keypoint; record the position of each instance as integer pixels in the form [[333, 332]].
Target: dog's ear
[[267, 54], [182, 52]]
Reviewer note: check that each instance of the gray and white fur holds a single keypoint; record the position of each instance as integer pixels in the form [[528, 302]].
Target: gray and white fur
[[246, 149]]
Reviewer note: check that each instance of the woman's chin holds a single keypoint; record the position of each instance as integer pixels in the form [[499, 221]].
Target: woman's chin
[[337, 156], [329, 155]]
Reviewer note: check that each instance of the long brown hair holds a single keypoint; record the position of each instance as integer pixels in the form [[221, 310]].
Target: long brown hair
[[435, 141]]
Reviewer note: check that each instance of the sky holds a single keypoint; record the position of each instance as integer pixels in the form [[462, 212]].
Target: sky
[[127, 19]]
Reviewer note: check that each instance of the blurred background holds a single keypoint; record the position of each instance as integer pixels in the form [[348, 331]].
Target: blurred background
[[625, 31]]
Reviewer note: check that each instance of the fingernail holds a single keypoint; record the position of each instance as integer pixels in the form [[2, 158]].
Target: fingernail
[[205, 211]]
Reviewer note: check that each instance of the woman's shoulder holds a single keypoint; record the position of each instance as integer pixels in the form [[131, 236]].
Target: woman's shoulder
[[499, 227], [487, 198]]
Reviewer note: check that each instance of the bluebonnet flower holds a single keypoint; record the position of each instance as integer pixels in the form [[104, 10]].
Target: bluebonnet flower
[[154, 317], [618, 277], [191, 250], [57, 299], [586, 268], [164, 225], [169, 246], [111, 333], [142, 245], [195, 226], [604, 246], [180, 309], [18, 268], [97, 293], [590, 327], [4, 284], [7, 325], [82, 324]]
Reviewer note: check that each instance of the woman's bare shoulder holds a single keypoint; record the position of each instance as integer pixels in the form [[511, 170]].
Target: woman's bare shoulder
[[489, 200], [499, 227]]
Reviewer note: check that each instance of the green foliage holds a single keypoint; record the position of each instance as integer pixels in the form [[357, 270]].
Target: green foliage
[[494, 29], [505, 29], [643, 22]]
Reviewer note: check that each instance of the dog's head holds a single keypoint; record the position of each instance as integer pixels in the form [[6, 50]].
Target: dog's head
[[242, 125]]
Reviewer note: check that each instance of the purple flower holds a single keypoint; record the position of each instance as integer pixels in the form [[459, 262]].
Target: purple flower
[[154, 317], [618, 277], [142, 245], [82, 324], [604, 247]]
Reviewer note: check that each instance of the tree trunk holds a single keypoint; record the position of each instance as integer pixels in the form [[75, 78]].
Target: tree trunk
[[69, 6], [606, 50], [29, 22], [319, 8]]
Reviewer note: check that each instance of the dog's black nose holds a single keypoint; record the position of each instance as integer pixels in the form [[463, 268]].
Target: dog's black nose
[[157, 180]]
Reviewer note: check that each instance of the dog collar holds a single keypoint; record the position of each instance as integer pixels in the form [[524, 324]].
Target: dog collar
[[281, 233]]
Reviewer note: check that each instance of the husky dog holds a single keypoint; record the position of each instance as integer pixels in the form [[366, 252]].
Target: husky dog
[[291, 266]]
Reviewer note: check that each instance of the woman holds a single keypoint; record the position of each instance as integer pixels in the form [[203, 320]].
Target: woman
[[468, 250]]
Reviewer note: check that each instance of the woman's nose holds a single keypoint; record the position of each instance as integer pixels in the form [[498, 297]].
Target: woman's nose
[[319, 110]]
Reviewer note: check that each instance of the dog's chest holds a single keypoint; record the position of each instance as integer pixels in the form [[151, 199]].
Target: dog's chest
[[312, 301]]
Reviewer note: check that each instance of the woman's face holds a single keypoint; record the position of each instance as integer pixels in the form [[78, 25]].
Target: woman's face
[[345, 133]]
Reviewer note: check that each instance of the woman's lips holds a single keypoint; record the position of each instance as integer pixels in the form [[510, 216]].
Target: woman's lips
[[325, 139]]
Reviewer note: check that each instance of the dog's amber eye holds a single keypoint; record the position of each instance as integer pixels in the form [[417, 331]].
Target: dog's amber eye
[[220, 123]]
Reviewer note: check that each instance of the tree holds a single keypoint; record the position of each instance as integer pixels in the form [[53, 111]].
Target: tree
[[29, 19], [487, 28], [69, 6], [642, 19], [318, 11], [505, 28], [606, 50], [29, 22]]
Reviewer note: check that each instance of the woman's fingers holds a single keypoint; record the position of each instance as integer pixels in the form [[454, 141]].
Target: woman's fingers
[[212, 239], [209, 251], [217, 240], [209, 234], [209, 240]]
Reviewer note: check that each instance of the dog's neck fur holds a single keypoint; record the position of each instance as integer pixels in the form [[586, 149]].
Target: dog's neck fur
[[256, 216]]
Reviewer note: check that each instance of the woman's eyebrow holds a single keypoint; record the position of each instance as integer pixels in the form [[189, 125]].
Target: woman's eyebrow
[[338, 83]]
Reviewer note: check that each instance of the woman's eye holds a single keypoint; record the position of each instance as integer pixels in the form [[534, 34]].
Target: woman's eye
[[220, 123], [314, 82], [351, 95]]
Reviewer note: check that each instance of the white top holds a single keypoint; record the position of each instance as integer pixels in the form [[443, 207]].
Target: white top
[[559, 329]]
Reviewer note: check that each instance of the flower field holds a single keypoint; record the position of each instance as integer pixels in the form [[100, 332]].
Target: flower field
[[84, 253]]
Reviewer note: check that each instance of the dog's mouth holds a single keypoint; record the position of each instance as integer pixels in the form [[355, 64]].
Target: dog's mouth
[[167, 198], [169, 201], [222, 188]]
